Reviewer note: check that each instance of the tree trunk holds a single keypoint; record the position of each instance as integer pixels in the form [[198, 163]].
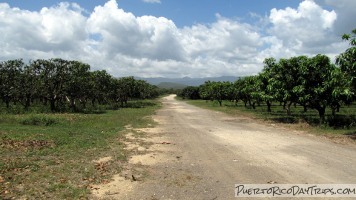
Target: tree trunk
[[269, 106], [53, 104], [333, 111], [254, 105], [27, 103], [305, 108], [84, 103], [7, 102], [220, 102], [93, 102], [321, 110], [45, 101], [288, 108], [72, 105]]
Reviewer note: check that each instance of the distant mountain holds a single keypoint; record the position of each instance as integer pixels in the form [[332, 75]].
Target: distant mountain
[[187, 80], [170, 85]]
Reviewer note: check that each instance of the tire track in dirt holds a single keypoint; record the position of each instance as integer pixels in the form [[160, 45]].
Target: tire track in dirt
[[199, 154]]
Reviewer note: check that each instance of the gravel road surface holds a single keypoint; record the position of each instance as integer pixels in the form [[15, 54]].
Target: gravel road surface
[[202, 154]]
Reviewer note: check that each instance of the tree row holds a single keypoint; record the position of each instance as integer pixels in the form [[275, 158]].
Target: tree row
[[312, 82], [64, 85]]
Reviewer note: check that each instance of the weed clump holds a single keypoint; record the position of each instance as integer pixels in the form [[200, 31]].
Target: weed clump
[[39, 120]]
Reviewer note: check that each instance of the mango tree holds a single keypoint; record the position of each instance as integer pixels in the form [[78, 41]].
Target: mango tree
[[287, 79], [341, 90], [347, 60], [205, 91], [77, 87], [190, 92], [220, 91], [246, 90], [100, 84], [126, 89], [317, 79], [264, 85], [29, 86], [10, 79], [53, 74]]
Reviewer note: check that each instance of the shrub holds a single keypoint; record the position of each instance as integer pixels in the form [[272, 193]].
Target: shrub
[[342, 121], [39, 120]]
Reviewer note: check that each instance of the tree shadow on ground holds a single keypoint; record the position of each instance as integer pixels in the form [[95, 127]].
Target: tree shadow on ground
[[140, 104], [351, 135], [336, 122]]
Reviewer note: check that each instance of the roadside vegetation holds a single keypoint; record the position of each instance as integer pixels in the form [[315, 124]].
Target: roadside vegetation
[[343, 124], [50, 156], [308, 89], [58, 85], [56, 118]]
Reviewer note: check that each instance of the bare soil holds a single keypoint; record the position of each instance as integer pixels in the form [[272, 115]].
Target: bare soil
[[199, 154]]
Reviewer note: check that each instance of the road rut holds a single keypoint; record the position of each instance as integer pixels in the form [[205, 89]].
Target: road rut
[[202, 154]]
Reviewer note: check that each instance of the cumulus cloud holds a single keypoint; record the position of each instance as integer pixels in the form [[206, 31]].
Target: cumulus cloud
[[345, 9], [305, 30], [124, 44], [123, 33], [223, 46], [57, 29]]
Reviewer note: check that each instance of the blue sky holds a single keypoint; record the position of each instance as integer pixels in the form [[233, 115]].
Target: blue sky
[[167, 38], [182, 12]]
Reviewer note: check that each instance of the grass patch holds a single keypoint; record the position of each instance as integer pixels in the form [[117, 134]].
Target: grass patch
[[39, 120], [344, 123], [46, 156]]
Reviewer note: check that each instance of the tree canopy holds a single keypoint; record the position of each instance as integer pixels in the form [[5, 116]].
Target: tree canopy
[[64, 84]]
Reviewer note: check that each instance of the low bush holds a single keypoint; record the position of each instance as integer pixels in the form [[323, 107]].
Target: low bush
[[39, 120]]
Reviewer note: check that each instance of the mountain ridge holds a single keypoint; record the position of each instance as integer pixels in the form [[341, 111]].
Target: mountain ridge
[[187, 80]]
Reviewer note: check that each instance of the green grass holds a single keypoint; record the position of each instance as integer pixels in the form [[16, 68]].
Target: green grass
[[46, 156], [343, 124]]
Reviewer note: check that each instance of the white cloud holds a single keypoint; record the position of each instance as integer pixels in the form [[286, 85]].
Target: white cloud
[[152, 1], [224, 47], [345, 9], [305, 30], [124, 44], [125, 34], [57, 29]]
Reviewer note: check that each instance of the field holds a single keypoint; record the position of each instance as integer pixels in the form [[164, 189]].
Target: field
[[343, 124], [45, 156]]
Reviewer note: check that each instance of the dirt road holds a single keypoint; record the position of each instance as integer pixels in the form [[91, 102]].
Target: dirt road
[[202, 154]]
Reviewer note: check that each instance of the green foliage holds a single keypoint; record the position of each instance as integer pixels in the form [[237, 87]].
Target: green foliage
[[10, 80], [39, 120], [216, 91], [313, 83], [344, 122], [347, 60], [56, 161], [64, 86], [318, 75], [190, 92]]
